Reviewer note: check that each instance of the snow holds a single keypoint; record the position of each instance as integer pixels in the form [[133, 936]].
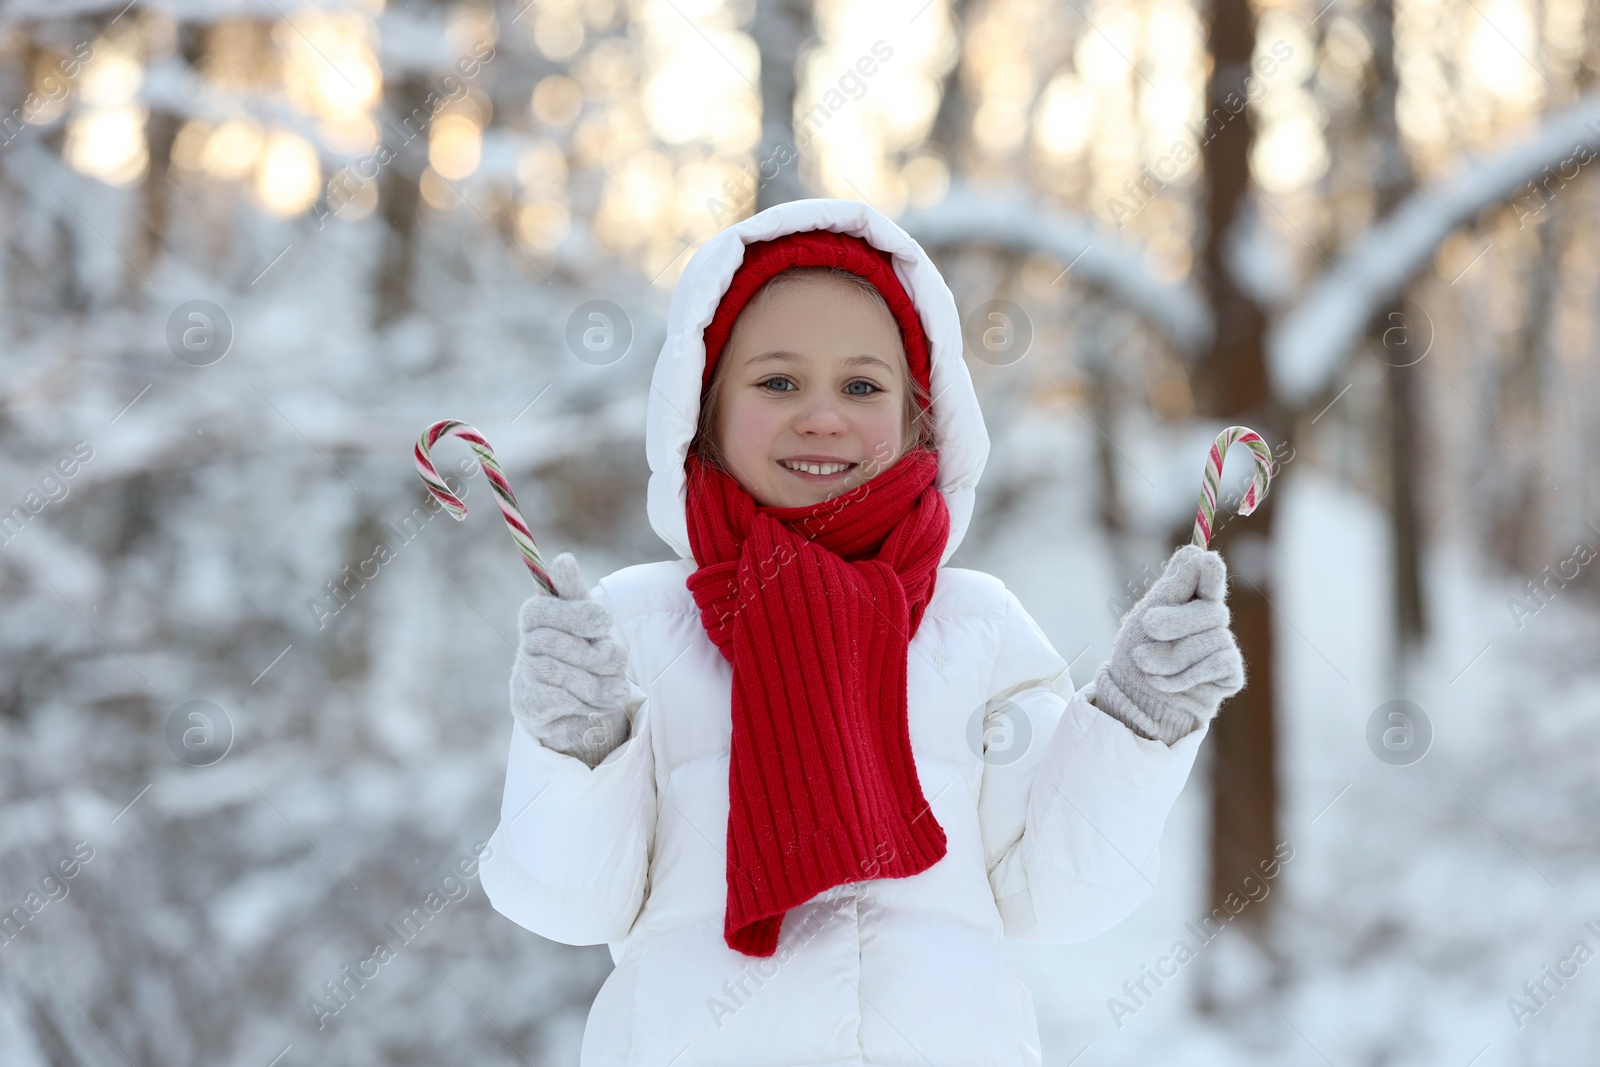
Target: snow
[[1404, 919], [374, 749], [1014, 218], [182, 559], [369, 752]]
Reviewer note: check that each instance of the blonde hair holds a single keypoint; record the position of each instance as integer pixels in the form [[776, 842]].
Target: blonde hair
[[920, 431]]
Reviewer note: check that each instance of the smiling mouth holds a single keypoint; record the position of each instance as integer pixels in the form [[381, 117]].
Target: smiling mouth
[[818, 472]]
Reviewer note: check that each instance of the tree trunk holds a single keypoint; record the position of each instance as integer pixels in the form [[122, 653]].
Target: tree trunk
[[1232, 385], [780, 28], [399, 197], [1103, 340], [954, 117], [160, 131], [1392, 181], [1405, 520], [1525, 389]]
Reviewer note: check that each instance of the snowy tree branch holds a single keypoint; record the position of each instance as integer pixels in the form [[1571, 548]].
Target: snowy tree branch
[[1020, 222], [1306, 347]]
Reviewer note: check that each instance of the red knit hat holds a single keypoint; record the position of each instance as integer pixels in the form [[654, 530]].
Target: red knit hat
[[817, 248]]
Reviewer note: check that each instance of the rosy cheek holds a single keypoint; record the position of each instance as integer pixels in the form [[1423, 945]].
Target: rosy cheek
[[884, 439], [748, 432]]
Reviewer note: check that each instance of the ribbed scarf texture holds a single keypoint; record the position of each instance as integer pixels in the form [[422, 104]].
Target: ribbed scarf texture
[[815, 607]]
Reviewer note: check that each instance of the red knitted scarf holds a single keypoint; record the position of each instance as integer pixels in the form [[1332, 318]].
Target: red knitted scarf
[[814, 607]]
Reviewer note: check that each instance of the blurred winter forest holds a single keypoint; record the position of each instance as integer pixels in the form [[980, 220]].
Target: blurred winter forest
[[249, 249]]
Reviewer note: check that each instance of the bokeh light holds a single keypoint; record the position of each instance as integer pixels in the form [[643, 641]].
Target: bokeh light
[[106, 137], [542, 224], [557, 100], [455, 145], [329, 66], [288, 176], [108, 143], [232, 149]]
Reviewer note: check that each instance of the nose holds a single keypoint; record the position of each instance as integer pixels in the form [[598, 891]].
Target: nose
[[821, 415]]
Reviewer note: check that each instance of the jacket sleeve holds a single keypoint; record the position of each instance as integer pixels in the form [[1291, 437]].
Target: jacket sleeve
[[1072, 809], [570, 858]]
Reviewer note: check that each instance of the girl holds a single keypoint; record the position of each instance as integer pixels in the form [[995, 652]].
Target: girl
[[804, 779]]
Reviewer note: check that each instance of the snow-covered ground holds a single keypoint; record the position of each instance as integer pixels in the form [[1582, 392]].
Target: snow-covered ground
[[1419, 898]]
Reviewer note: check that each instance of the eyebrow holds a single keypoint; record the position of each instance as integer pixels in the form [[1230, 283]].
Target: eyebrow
[[790, 357]]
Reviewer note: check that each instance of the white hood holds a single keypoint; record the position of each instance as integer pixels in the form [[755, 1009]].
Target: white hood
[[673, 410]]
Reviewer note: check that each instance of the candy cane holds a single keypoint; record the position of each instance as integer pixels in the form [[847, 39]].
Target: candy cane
[[1208, 494], [497, 481]]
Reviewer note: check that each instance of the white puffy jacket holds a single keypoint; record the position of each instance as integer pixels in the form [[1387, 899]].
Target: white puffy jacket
[[1053, 809]]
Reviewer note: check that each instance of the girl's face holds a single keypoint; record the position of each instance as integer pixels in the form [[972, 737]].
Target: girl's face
[[816, 375]]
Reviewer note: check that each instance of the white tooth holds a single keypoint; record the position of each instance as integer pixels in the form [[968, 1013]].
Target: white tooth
[[816, 468]]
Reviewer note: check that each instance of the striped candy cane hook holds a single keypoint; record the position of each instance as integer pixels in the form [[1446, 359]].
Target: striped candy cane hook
[[1204, 518], [497, 481]]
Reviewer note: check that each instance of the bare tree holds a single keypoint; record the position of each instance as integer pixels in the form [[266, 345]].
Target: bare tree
[[399, 199], [780, 28], [1391, 333], [161, 130], [1232, 384], [952, 123]]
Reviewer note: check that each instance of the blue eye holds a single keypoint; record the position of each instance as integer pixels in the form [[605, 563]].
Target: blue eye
[[872, 387]]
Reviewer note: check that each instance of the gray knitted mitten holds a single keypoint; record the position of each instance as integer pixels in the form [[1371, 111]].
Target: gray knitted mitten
[[568, 688], [1174, 660]]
